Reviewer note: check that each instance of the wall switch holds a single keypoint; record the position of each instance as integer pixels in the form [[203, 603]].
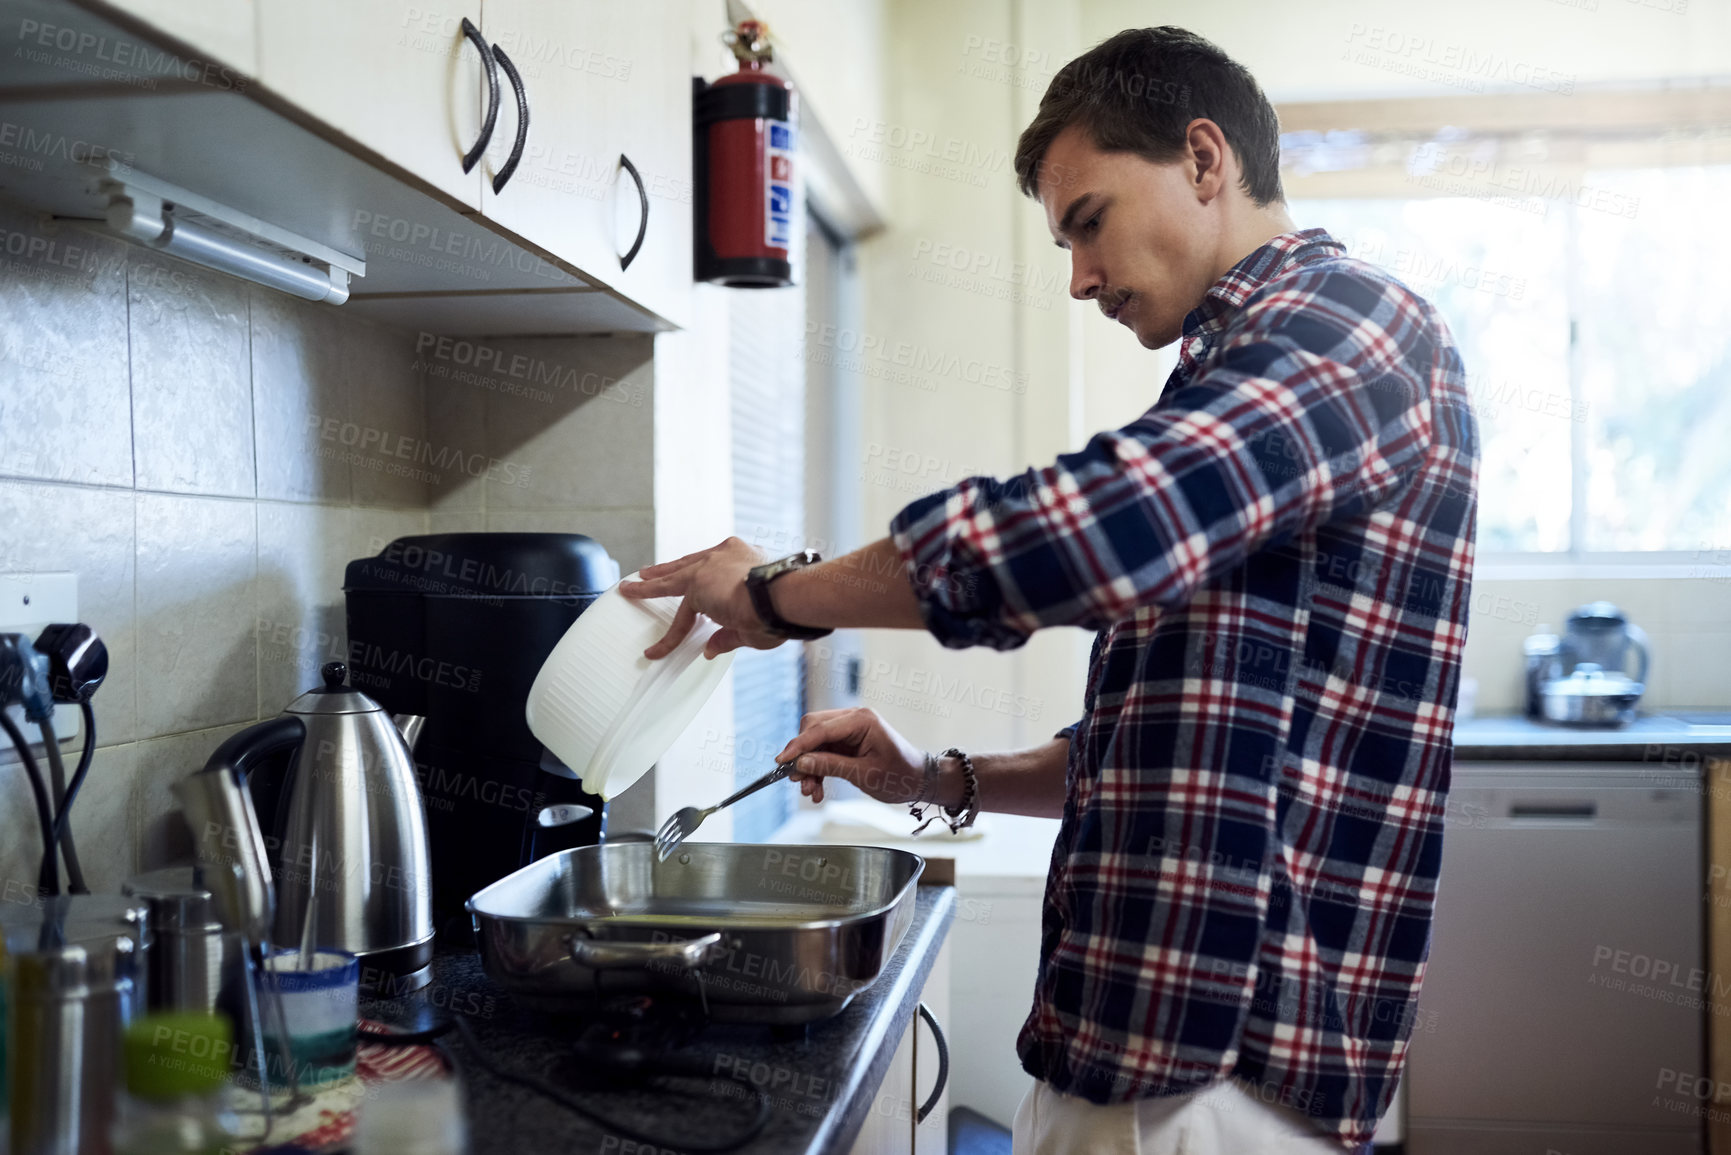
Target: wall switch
[[28, 602]]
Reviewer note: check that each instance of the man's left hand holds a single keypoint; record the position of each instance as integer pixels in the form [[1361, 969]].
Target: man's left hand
[[712, 582]]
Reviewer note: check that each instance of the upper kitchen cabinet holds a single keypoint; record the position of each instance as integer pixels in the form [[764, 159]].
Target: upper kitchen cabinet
[[221, 35], [603, 178], [403, 81]]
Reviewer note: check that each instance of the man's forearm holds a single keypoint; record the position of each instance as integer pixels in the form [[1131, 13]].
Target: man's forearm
[[1028, 781], [866, 588]]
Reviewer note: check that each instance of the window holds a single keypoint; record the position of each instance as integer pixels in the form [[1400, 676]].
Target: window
[[1595, 324]]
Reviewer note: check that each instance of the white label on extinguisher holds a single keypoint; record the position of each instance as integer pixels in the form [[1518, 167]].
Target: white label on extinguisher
[[778, 185]]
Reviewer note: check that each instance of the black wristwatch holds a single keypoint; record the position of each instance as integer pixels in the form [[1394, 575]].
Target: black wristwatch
[[757, 584]]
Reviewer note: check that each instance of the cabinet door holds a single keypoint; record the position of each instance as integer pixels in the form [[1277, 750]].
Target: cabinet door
[[604, 79], [221, 31], [888, 1128], [400, 80], [933, 1136]]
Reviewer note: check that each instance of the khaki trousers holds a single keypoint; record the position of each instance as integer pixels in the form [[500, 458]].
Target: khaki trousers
[[1224, 1119]]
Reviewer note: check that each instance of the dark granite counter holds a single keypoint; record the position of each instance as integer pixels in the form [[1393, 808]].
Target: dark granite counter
[[1649, 738], [821, 1080]]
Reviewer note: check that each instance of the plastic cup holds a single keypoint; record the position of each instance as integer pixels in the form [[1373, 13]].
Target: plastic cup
[[321, 1006]]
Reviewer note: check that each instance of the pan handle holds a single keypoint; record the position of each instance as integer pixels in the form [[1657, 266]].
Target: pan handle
[[598, 954]]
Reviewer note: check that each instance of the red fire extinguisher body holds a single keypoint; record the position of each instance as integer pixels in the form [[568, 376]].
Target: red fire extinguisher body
[[746, 124]]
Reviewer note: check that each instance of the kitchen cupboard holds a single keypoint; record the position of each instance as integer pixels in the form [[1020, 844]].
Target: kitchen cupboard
[[594, 219], [400, 80], [608, 152], [215, 31], [891, 1126]]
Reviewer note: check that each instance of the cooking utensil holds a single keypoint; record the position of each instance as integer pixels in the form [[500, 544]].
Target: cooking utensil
[[682, 822], [352, 831], [773, 934], [1591, 697], [604, 709], [230, 848]]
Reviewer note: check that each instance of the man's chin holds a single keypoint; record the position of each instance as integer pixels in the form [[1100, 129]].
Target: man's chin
[[1150, 339]]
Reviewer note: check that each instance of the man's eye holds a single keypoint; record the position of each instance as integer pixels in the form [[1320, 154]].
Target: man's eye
[[1092, 224]]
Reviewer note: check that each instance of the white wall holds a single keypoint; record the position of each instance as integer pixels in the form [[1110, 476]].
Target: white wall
[[1337, 49]]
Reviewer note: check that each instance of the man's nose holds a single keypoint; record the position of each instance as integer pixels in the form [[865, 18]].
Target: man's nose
[[1085, 280]]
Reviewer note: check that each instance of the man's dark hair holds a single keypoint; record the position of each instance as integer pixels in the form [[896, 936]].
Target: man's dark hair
[[1138, 91]]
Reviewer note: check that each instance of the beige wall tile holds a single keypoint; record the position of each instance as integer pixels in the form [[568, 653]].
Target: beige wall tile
[[457, 416], [1694, 669], [154, 820], [197, 650], [394, 457], [65, 403], [89, 532], [593, 445], [302, 550], [191, 379], [101, 818], [300, 406]]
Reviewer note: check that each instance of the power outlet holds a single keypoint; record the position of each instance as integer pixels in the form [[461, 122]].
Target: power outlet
[[28, 602]]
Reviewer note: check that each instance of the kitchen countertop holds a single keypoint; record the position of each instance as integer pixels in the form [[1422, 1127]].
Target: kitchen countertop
[[821, 1087], [1650, 737]]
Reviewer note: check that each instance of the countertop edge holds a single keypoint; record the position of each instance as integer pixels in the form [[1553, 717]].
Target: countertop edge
[[842, 1126]]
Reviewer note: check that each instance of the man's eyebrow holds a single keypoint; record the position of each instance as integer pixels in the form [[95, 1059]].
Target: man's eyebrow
[[1069, 219]]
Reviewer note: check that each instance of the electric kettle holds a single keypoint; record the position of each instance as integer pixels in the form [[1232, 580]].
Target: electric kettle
[[349, 830], [1599, 633], [1586, 681]]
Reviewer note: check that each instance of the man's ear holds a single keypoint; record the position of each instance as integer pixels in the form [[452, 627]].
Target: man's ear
[[1208, 156]]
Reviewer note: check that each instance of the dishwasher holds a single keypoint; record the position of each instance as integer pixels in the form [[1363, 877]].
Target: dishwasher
[[1562, 1008]]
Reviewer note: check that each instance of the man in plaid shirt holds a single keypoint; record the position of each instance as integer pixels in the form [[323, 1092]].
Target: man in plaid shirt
[[1276, 559]]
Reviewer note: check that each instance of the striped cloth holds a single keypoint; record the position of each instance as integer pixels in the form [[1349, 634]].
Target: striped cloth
[[1276, 558]]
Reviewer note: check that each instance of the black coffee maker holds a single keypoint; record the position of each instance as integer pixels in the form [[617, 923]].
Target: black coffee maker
[[454, 627]]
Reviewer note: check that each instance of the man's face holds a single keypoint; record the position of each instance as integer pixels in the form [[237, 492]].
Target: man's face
[[1140, 237]]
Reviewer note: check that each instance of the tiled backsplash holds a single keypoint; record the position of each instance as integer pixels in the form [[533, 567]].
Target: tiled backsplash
[[207, 456], [1687, 621]]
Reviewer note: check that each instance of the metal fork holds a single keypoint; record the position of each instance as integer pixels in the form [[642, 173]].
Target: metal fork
[[684, 821]]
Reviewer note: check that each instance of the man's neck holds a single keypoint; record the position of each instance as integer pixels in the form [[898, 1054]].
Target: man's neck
[[1253, 228]]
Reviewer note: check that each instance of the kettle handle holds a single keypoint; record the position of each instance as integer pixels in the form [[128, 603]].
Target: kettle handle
[[242, 753], [1638, 636]]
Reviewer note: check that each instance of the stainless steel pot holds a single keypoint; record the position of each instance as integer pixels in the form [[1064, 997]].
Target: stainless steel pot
[[1591, 697], [769, 934]]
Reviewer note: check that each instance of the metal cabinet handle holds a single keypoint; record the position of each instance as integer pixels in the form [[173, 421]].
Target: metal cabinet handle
[[598, 954], [643, 221], [931, 1102], [474, 154], [504, 174]]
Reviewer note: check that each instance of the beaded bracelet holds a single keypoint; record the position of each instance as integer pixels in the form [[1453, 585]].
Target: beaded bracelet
[[970, 795]]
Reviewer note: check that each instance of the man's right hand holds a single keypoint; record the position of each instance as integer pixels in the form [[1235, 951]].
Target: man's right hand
[[858, 746]]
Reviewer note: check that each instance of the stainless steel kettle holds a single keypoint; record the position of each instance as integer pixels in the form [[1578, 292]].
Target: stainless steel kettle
[[351, 863], [1599, 634]]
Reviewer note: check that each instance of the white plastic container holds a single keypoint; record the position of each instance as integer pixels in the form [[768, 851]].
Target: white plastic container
[[604, 709]]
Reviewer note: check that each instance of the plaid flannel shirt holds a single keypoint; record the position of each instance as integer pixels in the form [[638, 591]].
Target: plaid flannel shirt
[[1277, 558]]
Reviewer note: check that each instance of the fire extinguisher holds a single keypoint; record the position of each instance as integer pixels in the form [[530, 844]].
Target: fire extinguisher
[[744, 145]]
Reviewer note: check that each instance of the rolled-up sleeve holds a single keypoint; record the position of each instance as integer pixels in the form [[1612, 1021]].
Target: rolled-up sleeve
[[1314, 407]]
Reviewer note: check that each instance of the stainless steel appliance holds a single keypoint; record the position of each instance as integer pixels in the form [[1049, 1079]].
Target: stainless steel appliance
[[1587, 681], [761, 933], [196, 963], [1566, 940], [351, 868], [454, 627], [78, 969]]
